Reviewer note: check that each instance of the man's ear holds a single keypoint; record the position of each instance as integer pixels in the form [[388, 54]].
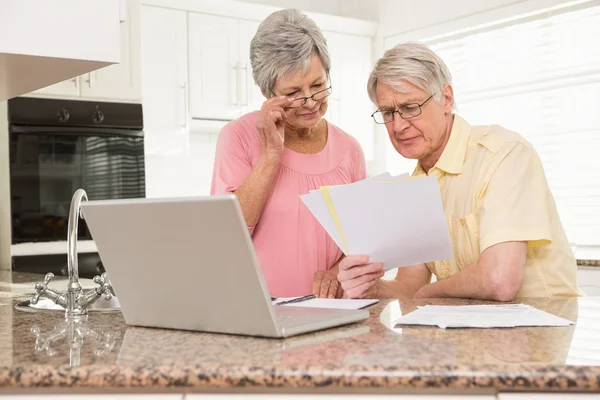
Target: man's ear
[[448, 98]]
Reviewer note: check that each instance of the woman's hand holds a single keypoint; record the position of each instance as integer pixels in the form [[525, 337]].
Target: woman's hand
[[271, 125], [358, 277], [326, 285]]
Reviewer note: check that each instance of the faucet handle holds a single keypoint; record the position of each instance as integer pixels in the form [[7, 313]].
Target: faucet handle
[[105, 288], [41, 287]]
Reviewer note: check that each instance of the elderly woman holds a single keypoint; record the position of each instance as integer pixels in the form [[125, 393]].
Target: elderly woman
[[270, 157], [507, 236]]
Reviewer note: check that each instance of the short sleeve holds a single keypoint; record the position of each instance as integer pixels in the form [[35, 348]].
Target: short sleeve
[[514, 206], [232, 162]]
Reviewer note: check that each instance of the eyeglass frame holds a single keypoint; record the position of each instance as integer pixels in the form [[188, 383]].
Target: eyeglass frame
[[397, 110], [312, 97]]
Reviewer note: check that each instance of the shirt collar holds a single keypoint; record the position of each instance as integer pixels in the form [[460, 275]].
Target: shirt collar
[[453, 156]]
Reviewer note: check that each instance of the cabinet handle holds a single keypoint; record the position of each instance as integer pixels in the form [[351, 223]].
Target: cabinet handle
[[90, 79], [237, 84], [184, 118], [247, 83], [76, 82]]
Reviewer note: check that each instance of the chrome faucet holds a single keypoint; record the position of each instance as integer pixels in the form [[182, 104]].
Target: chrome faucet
[[75, 300]]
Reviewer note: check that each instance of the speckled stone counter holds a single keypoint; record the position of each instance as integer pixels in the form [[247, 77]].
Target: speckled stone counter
[[588, 263], [373, 356]]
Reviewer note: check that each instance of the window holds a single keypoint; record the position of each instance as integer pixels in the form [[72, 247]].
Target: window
[[540, 78]]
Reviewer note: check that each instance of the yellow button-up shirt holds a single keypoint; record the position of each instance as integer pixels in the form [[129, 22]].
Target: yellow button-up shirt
[[494, 190]]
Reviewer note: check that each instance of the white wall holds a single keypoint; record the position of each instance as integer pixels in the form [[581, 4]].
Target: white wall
[[406, 20], [416, 20], [183, 167], [361, 9]]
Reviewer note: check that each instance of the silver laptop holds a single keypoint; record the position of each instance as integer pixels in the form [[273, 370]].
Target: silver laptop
[[189, 263]]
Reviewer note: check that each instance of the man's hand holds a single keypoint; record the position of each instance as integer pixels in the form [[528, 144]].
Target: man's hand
[[358, 277]]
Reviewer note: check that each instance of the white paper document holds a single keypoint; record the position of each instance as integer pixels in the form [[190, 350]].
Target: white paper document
[[482, 316], [394, 220], [314, 202], [343, 304]]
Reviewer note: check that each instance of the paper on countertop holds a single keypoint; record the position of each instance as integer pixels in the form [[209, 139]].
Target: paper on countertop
[[341, 304], [482, 316]]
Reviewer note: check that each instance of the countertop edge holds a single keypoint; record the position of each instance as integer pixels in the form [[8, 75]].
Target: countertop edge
[[499, 377]]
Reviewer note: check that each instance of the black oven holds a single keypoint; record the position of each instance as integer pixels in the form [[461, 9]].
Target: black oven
[[58, 146]]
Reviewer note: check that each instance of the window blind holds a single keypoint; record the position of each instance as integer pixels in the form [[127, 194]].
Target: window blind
[[541, 78]]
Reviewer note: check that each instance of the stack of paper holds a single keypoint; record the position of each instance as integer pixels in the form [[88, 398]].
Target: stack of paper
[[482, 316], [398, 221]]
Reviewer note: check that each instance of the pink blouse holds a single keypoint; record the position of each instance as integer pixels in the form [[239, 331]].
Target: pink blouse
[[289, 242]]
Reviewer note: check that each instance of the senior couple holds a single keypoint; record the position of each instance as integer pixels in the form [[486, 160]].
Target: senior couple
[[507, 237]]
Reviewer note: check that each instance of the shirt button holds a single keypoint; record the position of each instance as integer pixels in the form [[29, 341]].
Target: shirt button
[[463, 222]]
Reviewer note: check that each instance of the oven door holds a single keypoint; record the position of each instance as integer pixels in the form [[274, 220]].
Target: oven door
[[48, 164]]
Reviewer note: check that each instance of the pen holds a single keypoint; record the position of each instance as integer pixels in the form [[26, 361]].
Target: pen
[[297, 300]]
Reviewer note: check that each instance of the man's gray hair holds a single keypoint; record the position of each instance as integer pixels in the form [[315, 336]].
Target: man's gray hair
[[283, 44], [413, 62]]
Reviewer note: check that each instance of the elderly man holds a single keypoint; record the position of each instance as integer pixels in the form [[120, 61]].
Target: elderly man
[[506, 233]]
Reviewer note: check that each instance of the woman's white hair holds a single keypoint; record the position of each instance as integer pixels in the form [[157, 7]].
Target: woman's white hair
[[412, 62], [283, 44]]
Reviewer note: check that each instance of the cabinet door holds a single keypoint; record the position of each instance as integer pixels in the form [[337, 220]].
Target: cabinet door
[[214, 67], [164, 72], [251, 96], [164, 95], [68, 88], [349, 104], [120, 81]]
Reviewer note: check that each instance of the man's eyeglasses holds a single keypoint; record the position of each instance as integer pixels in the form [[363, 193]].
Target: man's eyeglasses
[[320, 95], [407, 111]]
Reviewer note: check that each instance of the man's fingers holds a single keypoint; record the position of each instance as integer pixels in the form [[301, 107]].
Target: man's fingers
[[352, 261], [357, 271], [354, 283], [360, 291]]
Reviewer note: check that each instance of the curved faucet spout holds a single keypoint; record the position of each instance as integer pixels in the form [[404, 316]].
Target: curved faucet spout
[[75, 300], [72, 229]]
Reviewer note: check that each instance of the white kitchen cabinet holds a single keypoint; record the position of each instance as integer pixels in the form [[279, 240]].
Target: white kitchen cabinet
[[68, 39], [251, 96], [120, 81], [221, 83], [123, 80], [68, 88], [164, 97], [349, 104], [164, 72], [214, 67]]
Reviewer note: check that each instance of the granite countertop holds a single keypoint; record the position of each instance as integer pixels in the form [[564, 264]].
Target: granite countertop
[[371, 356], [588, 263]]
